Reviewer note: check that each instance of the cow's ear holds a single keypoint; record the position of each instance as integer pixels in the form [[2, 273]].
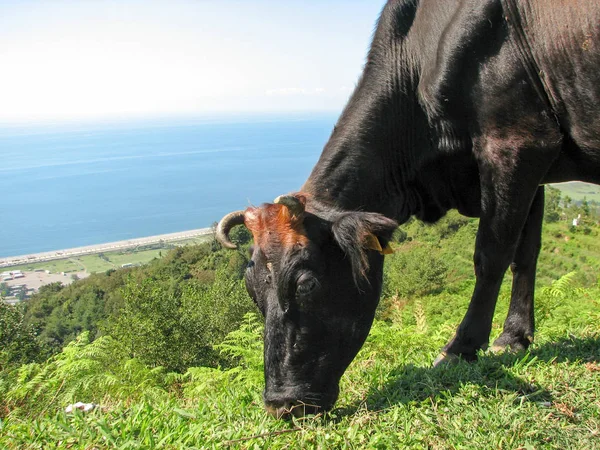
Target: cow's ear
[[357, 232]]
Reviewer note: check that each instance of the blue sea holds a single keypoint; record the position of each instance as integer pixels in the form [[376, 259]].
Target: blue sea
[[64, 186]]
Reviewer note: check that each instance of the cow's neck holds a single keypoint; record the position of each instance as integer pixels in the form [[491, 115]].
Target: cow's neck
[[386, 154], [372, 157]]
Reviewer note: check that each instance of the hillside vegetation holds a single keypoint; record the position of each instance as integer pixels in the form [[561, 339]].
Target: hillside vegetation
[[171, 353]]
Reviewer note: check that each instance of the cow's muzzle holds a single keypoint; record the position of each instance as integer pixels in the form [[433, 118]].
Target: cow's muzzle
[[312, 404], [293, 409]]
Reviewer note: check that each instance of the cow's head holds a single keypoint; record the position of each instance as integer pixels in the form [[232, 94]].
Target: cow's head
[[315, 274]]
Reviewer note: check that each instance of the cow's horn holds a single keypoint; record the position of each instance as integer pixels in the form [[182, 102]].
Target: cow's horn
[[293, 203], [225, 225]]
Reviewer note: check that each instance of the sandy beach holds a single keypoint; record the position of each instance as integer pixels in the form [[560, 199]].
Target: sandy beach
[[110, 246]]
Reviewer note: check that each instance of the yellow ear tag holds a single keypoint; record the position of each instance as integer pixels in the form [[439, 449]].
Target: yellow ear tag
[[387, 250], [372, 243]]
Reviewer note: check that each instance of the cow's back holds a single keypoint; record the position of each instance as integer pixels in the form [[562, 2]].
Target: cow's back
[[563, 37]]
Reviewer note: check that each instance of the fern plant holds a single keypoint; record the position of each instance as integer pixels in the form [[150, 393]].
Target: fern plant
[[563, 287], [244, 345], [243, 349], [84, 371], [561, 301]]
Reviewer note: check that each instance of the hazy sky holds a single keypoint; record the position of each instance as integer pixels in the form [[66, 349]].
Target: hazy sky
[[101, 58]]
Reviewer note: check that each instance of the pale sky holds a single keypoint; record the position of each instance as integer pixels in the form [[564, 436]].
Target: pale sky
[[87, 59]]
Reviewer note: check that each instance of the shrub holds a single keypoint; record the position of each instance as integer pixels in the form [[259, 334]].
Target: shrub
[[18, 342], [417, 272], [165, 323]]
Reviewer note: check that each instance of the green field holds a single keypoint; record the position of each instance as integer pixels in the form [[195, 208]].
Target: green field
[[101, 262], [578, 190], [548, 397], [94, 263]]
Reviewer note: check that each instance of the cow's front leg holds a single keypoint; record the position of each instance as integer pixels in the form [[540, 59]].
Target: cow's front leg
[[519, 325], [510, 178], [492, 258]]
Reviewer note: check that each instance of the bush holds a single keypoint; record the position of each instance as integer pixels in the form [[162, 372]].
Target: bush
[[18, 342], [165, 323], [417, 272]]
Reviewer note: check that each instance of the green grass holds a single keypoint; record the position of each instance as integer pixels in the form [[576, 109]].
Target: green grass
[[95, 264], [564, 251], [55, 266], [548, 397]]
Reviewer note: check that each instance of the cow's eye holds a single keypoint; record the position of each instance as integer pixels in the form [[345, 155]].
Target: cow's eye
[[306, 285]]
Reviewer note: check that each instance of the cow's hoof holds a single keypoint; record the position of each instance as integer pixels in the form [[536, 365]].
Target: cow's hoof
[[445, 359], [511, 343], [499, 348]]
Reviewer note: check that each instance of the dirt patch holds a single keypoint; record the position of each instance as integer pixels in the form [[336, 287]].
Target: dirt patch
[[34, 280]]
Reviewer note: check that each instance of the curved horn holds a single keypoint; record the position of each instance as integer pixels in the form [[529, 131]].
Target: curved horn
[[293, 203], [225, 225]]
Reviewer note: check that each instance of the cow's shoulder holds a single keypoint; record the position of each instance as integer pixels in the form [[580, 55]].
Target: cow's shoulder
[[451, 42]]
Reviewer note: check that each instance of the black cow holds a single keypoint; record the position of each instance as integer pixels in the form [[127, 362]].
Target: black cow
[[471, 105]]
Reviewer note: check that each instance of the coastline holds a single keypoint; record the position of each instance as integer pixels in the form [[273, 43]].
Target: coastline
[[10, 261]]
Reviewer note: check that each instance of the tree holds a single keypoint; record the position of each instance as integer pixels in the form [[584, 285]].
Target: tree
[[417, 272], [18, 343], [173, 324], [4, 290], [552, 207], [585, 208], [240, 235]]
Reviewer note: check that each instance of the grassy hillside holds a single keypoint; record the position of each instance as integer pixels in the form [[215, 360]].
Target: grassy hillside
[[548, 397], [391, 397]]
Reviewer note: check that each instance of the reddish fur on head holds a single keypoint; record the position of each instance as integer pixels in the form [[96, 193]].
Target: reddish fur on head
[[273, 224]]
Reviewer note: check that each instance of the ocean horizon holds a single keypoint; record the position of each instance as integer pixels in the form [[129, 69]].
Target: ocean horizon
[[77, 184]]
